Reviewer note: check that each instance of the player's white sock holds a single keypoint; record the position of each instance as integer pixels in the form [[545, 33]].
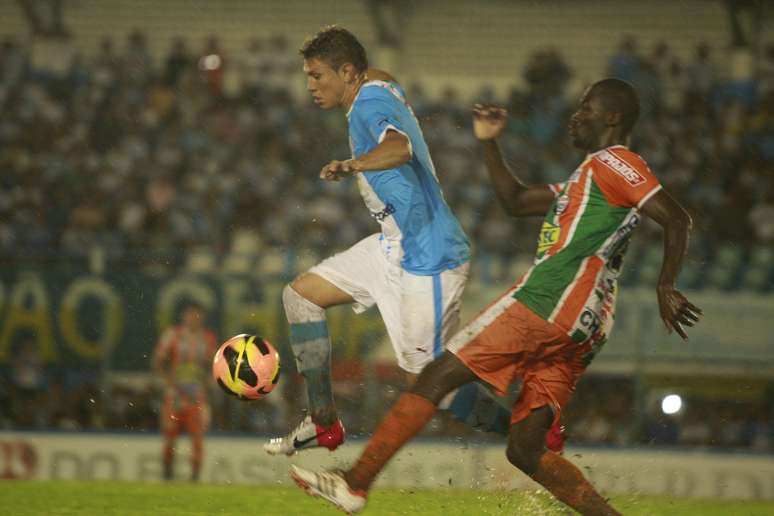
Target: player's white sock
[[311, 348]]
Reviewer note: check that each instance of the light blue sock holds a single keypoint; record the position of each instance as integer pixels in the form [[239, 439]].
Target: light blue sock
[[476, 406], [312, 350]]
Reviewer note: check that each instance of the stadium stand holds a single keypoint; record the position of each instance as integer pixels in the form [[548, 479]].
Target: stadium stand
[[145, 136]]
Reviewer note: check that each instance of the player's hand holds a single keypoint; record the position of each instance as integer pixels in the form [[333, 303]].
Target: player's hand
[[676, 310], [488, 121], [337, 170]]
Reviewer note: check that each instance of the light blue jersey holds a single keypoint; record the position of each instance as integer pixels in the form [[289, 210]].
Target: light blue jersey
[[419, 231]]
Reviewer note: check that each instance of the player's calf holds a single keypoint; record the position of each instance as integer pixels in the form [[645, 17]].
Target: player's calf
[[526, 442]]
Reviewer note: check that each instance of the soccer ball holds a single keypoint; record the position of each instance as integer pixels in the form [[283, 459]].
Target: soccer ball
[[246, 366]]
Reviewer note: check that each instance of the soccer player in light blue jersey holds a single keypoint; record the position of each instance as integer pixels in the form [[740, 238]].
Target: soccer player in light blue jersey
[[414, 270]]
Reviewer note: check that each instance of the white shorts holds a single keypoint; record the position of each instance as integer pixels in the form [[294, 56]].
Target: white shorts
[[420, 312]]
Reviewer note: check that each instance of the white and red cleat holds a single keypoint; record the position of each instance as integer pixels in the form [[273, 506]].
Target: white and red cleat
[[331, 486], [307, 435]]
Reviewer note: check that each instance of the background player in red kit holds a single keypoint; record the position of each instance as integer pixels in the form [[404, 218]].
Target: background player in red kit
[[183, 358], [548, 326]]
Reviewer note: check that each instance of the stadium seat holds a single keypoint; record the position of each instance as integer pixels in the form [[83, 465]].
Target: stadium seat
[[690, 274], [756, 279], [246, 241], [304, 260], [271, 263], [762, 256], [729, 256], [238, 263], [650, 266], [201, 261]]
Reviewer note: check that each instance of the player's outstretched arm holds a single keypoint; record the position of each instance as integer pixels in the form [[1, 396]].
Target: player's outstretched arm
[[675, 309], [392, 152], [516, 198]]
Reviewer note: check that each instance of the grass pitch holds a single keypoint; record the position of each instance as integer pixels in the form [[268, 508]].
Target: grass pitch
[[21, 498]]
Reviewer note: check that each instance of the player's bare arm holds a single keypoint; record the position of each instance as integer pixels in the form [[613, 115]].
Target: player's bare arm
[[676, 311], [394, 151], [517, 198], [160, 369]]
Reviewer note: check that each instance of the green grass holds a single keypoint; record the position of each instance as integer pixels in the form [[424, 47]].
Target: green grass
[[21, 498]]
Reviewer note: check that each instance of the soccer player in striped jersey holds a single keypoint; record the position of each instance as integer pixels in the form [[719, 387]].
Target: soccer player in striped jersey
[[414, 269], [547, 327], [183, 358]]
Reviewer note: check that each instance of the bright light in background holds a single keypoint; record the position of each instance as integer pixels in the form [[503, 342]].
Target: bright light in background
[[210, 62], [671, 404]]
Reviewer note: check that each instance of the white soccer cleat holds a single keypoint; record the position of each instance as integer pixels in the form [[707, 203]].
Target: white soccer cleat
[[307, 435], [331, 486]]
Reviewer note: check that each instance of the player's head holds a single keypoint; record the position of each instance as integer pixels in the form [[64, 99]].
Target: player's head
[[193, 314], [607, 113], [334, 63]]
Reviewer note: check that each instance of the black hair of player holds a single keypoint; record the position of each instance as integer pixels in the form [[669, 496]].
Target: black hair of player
[[336, 46], [192, 304], [619, 96]]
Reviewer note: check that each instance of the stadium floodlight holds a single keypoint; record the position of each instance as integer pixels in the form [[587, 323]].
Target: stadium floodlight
[[671, 404], [210, 62]]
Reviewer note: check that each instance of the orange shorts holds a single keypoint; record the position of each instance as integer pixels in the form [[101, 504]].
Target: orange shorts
[[508, 341], [182, 414]]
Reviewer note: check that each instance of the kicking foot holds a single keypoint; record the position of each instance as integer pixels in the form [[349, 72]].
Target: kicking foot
[[306, 435], [331, 486]]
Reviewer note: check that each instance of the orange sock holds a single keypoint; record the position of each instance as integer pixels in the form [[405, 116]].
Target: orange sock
[[406, 419], [566, 482]]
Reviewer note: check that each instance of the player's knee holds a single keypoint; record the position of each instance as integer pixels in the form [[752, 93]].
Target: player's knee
[[298, 306], [523, 457], [289, 296], [438, 378]]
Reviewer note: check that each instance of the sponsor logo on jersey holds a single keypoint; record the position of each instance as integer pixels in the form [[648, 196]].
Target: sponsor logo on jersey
[[561, 204], [619, 166], [388, 210], [590, 321], [620, 238], [549, 235]]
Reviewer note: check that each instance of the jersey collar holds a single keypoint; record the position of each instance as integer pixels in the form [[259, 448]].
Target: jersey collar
[[375, 82], [591, 155]]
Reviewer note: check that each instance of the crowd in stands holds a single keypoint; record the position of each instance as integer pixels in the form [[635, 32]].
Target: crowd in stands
[[145, 159]]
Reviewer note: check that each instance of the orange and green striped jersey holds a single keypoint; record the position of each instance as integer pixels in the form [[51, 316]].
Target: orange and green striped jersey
[[187, 357], [583, 241]]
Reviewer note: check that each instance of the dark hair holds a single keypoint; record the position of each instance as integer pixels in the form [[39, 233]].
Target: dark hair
[[336, 46], [619, 97], [192, 304]]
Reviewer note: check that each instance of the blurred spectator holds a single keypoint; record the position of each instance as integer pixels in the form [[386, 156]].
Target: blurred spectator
[[28, 380], [702, 72], [44, 17], [284, 63], [212, 63], [255, 68], [547, 74], [137, 60], [12, 65], [625, 63], [761, 217], [765, 71], [117, 156], [177, 63], [661, 59]]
